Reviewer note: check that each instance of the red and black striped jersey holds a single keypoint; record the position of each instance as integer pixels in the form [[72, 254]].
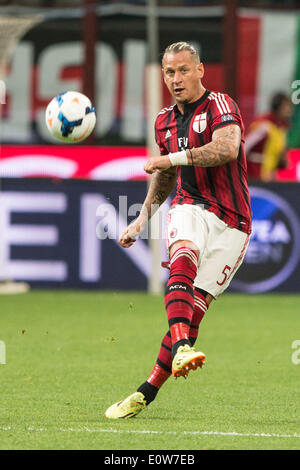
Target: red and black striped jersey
[[222, 189]]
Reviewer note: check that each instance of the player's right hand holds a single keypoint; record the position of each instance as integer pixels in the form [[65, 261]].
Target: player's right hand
[[130, 234]]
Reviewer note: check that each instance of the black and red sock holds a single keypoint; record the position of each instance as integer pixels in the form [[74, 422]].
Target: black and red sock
[[163, 366], [179, 295], [201, 306]]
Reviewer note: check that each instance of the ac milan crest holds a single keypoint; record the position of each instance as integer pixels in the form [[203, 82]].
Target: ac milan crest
[[199, 124]]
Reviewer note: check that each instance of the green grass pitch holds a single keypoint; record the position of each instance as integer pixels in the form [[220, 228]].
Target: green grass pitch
[[70, 355]]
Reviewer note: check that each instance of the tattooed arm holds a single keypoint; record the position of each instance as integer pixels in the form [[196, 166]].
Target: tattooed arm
[[223, 148], [161, 185]]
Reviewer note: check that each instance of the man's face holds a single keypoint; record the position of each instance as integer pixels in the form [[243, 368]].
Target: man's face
[[285, 110], [182, 75]]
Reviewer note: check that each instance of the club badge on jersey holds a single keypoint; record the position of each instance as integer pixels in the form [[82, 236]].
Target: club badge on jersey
[[200, 123]]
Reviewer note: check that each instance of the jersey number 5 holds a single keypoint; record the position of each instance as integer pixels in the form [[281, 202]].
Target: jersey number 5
[[225, 274]]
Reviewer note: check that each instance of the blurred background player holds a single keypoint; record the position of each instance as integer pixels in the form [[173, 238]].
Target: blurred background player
[[266, 140], [201, 144]]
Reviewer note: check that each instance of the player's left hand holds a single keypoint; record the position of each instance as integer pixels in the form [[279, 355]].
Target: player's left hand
[[157, 163]]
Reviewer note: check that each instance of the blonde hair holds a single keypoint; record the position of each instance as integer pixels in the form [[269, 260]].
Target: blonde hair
[[177, 47]]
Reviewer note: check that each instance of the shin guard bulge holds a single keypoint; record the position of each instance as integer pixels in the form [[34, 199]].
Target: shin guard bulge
[[179, 295]]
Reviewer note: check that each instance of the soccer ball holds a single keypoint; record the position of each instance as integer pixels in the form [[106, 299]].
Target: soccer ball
[[70, 117]]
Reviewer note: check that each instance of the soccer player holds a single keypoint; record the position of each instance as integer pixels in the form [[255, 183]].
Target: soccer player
[[201, 141]]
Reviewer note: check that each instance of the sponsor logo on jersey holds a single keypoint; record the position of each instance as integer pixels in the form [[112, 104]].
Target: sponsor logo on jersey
[[200, 123], [183, 143], [274, 249]]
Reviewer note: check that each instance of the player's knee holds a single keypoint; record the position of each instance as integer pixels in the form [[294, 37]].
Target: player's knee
[[183, 244], [184, 261]]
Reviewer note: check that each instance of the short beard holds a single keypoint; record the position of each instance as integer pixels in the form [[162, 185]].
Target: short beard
[[183, 101]]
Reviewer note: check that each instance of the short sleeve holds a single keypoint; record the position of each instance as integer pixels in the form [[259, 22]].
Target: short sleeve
[[223, 112], [162, 148]]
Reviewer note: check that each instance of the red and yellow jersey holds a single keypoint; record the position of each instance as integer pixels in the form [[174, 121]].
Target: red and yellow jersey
[[265, 146]]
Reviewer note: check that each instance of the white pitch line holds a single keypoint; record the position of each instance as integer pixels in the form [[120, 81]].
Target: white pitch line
[[126, 431]]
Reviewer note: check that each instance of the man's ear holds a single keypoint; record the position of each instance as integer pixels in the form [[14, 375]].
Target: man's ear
[[200, 68]]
